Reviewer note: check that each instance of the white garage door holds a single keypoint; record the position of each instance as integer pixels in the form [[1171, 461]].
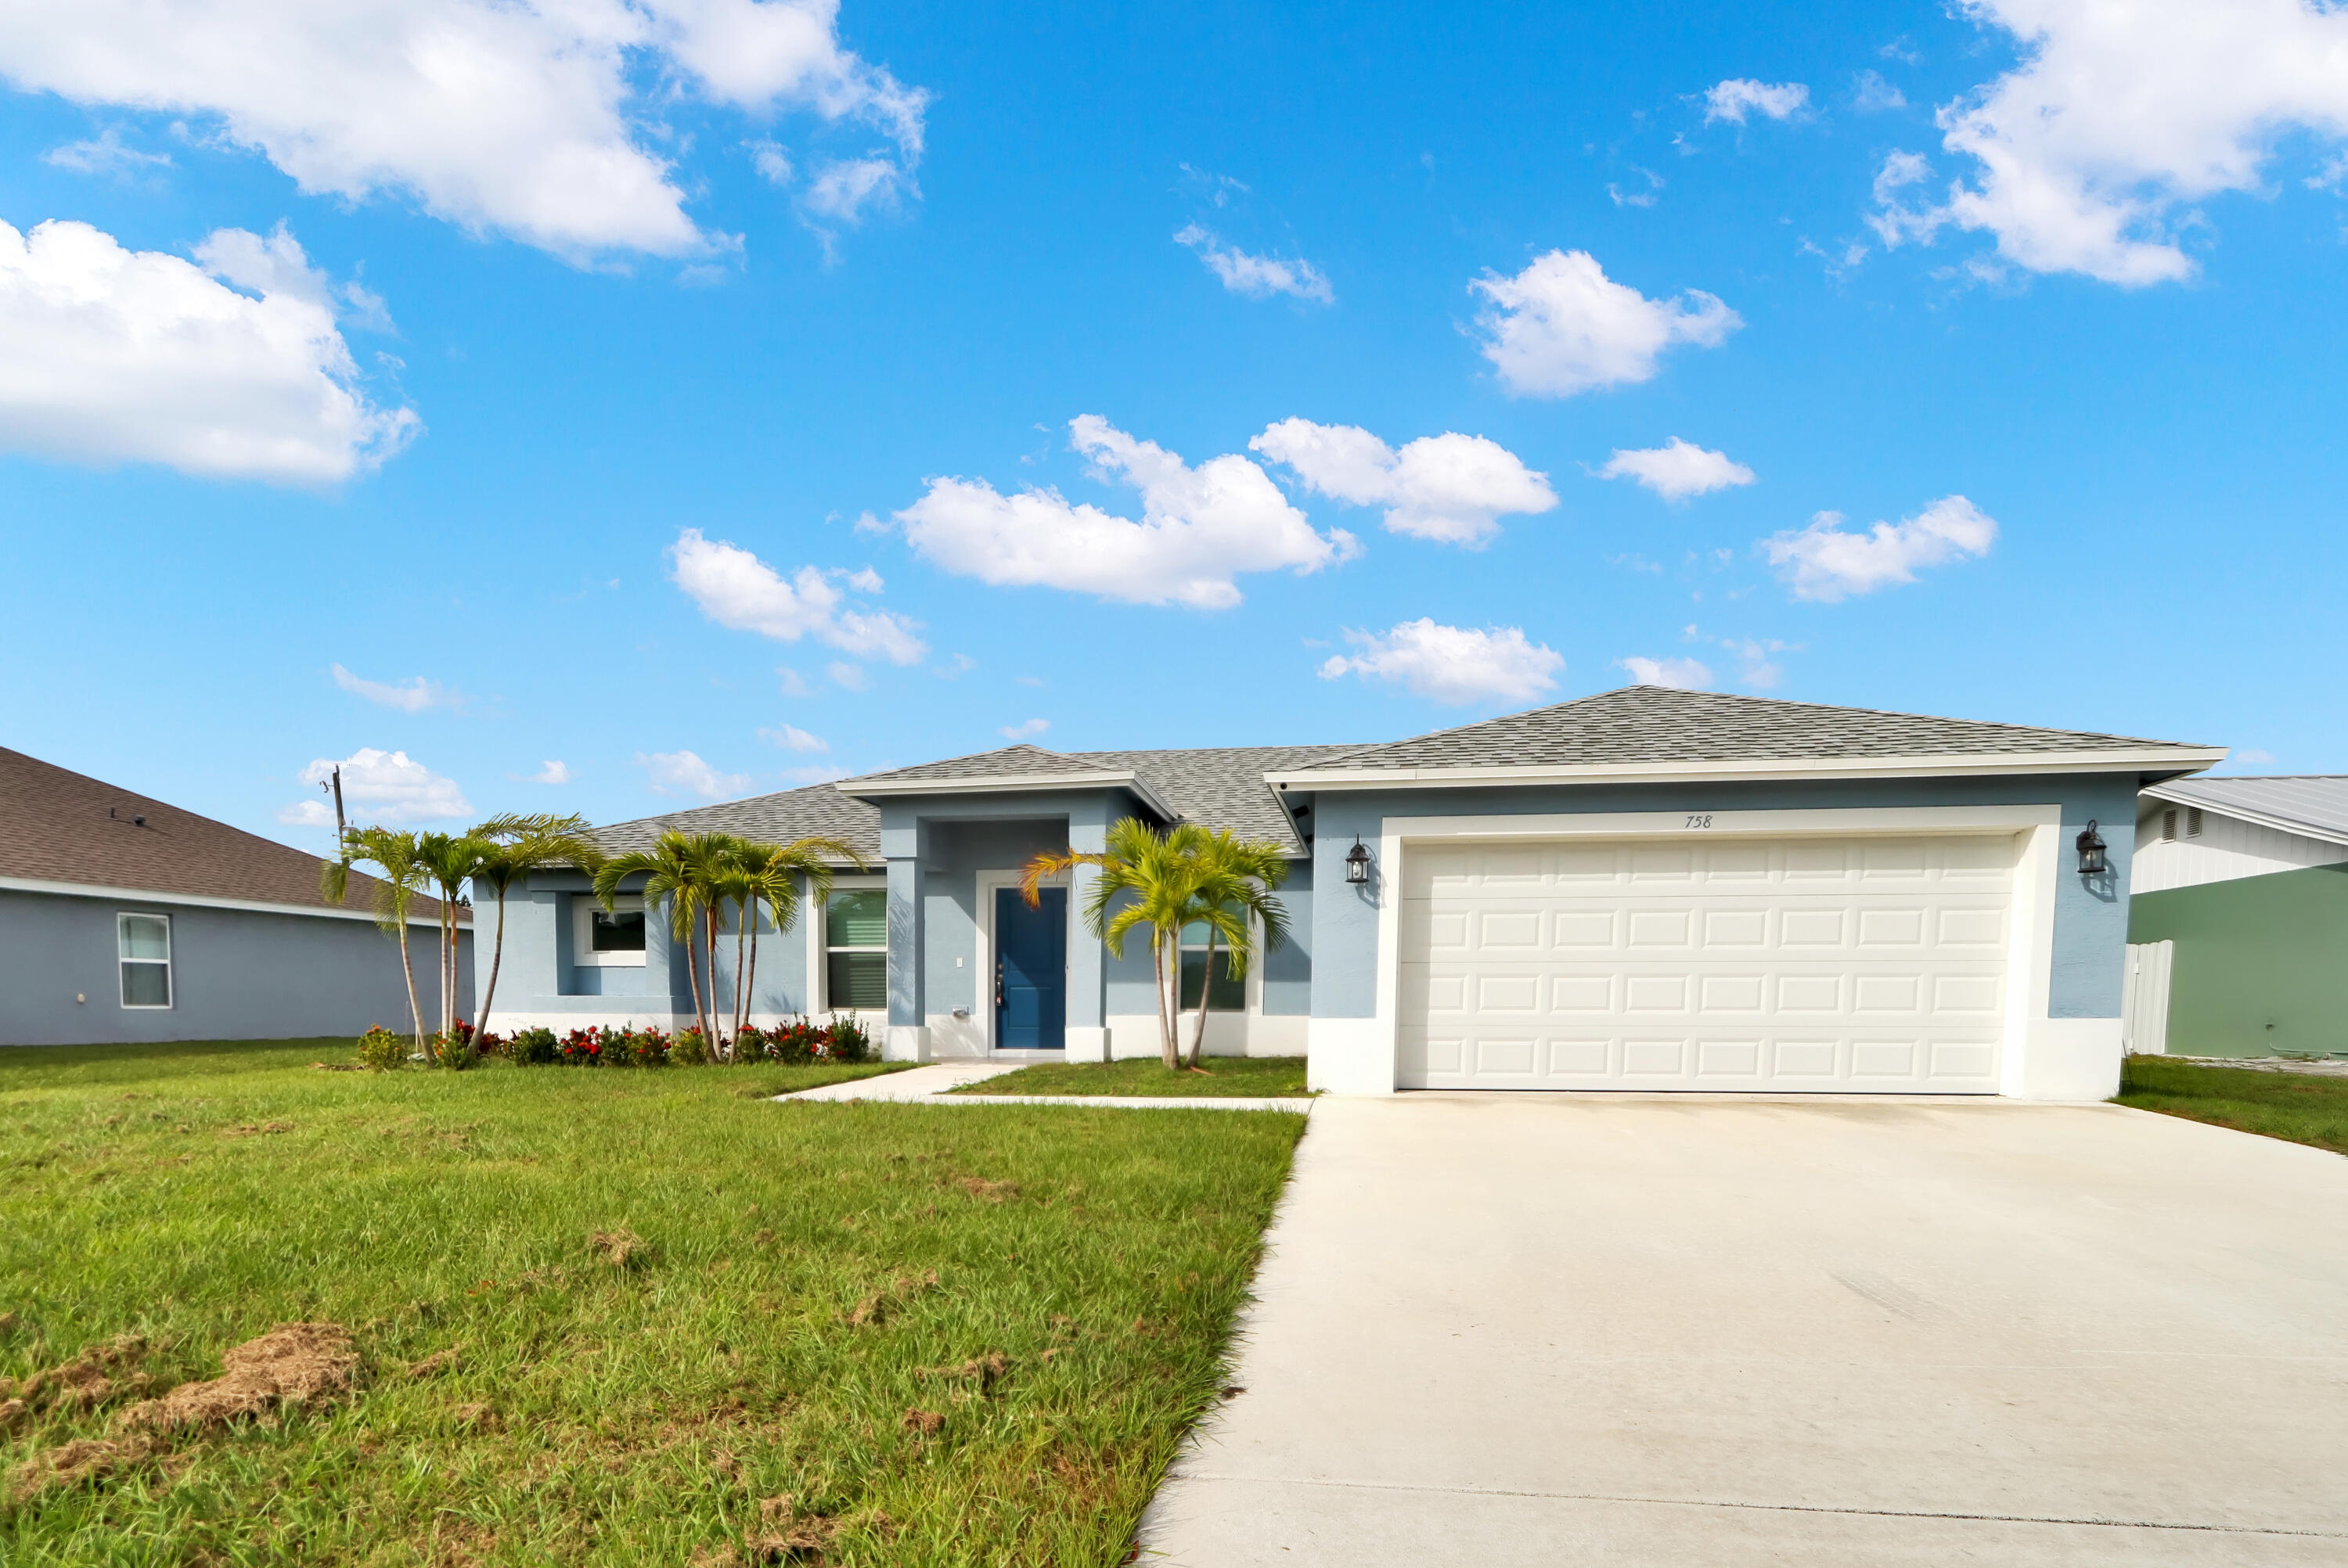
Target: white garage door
[[1853, 965]]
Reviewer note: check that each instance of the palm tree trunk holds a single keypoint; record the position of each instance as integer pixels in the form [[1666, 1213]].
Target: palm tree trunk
[[709, 947], [691, 974], [497, 956], [1170, 1003], [750, 987], [1206, 989], [407, 968], [745, 913]]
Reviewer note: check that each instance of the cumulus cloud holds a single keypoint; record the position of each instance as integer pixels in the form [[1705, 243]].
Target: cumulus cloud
[[1562, 327], [2080, 159], [790, 737], [1449, 488], [844, 192], [1679, 674], [1026, 731], [1735, 98], [413, 695], [105, 153], [116, 355], [1871, 94], [734, 589], [1826, 563], [386, 787], [1200, 528], [1452, 664], [683, 774], [541, 121], [1257, 277], [553, 772], [1677, 469]]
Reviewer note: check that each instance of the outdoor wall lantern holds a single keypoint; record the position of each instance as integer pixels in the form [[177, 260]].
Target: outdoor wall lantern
[[2091, 851], [1357, 863]]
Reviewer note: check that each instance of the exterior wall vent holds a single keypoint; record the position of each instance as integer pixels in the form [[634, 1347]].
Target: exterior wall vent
[[2192, 822], [2169, 825]]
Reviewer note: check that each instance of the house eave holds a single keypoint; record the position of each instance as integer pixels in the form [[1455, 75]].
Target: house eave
[[1009, 783], [202, 901], [2255, 818], [2171, 760]]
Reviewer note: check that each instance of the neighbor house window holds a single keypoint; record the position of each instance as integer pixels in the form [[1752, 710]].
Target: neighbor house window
[[1225, 993], [145, 943], [856, 950], [609, 938]]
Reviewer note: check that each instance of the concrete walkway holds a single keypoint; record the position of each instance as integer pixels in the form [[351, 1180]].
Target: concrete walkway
[[928, 1086], [1508, 1330]]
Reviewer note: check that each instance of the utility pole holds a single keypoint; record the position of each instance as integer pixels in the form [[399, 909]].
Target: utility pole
[[342, 832]]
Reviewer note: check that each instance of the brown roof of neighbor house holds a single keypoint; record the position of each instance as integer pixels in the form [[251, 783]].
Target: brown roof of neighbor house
[[58, 825]]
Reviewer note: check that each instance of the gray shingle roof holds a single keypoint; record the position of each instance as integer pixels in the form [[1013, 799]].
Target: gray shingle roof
[[817, 811], [2316, 803], [1007, 762], [1221, 786], [1656, 724]]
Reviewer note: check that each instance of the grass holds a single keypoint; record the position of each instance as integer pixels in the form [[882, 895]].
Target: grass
[[2303, 1108], [770, 1329], [1225, 1076]]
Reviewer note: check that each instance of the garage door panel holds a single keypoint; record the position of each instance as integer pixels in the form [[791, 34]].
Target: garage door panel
[[1867, 964]]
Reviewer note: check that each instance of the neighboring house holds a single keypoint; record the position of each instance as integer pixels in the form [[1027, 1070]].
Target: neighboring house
[[126, 919], [1643, 889], [2240, 923]]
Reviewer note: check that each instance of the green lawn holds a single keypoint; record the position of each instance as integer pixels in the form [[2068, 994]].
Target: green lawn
[[2304, 1108], [942, 1339], [1224, 1076]]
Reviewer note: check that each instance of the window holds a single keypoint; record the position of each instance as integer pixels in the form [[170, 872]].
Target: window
[[145, 943], [1226, 993], [608, 938], [856, 950]]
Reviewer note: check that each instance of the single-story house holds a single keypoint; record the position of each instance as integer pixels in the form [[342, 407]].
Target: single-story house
[[2239, 928], [1644, 889], [123, 919]]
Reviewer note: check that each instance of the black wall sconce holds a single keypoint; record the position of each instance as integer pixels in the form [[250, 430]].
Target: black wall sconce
[[2092, 861], [1357, 863]]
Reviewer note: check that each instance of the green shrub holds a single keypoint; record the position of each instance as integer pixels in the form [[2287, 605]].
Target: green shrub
[[532, 1048], [453, 1048], [380, 1050]]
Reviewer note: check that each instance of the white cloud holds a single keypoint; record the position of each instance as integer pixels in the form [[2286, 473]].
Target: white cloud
[[554, 772], [1679, 674], [1449, 488], [1647, 198], [1677, 469], [1824, 563], [2121, 114], [1026, 731], [844, 191], [850, 677], [1454, 664], [1738, 97], [1257, 277], [116, 355], [413, 695], [1200, 528], [1871, 94], [385, 788], [682, 773], [769, 156], [737, 590], [792, 738], [104, 154], [1562, 327], [542, 121]]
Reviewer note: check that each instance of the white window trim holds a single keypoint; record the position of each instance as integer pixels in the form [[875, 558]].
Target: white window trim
[[583, 926], [988, 884], [169, 960], [818, 949]]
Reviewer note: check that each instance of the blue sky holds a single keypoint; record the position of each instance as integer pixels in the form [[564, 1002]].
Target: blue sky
[[661, 393]]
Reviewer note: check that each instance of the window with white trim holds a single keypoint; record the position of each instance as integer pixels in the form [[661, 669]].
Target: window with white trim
[[856, 950], [1227, 992], [144, 945], [608, 938]]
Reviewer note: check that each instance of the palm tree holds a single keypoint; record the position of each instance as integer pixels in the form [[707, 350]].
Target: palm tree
[[396, 854], [774, 873], [1157, 873], [1235, 880], [452, 860], [680, 870], [521, 843]]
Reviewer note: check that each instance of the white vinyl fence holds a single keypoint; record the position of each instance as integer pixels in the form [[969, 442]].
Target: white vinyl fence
[[2144, 1006]]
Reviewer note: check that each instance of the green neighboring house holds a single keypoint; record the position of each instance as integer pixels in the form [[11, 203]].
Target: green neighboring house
[[2238, 919]]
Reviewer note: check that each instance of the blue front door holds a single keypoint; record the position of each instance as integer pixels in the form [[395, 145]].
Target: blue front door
[[1031, 971]]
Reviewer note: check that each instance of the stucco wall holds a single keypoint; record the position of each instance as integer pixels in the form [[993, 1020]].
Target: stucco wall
[[2090, 922], [236, 974], [2257, 968]]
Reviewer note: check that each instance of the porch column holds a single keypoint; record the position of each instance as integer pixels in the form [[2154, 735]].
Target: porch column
[[906, 846], [1088, 1033]]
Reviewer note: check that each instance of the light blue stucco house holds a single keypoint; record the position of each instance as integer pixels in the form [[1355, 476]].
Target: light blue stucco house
[[1646, 889]]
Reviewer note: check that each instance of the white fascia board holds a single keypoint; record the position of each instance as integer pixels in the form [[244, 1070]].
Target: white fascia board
[[198, 901], [1010, 783], [2179, 759], [2255, 818]]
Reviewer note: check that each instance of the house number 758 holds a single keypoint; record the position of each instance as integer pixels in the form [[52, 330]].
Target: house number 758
[[1699, 820]]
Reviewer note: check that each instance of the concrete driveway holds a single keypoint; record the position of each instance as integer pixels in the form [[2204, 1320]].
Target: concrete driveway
[[1509, 1330]]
